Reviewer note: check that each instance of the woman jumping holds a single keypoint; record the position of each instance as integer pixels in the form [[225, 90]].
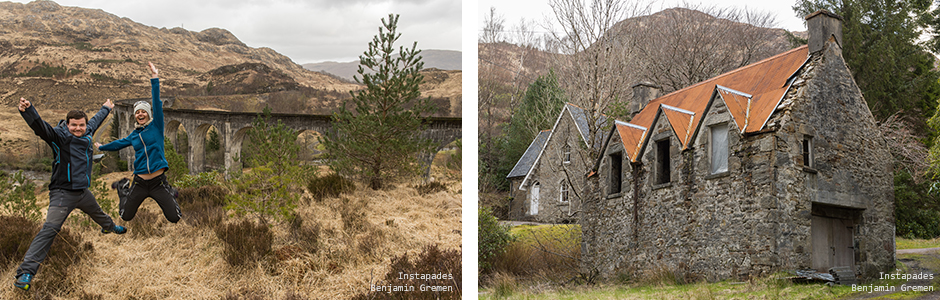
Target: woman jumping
[[149, 159]]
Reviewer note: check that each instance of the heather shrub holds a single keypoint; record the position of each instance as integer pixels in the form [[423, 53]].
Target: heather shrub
[[433, 267], [146, 224], [18, 232], [67, 249], [353, 215], [329, 186], [245, 241], [243, 294], [305, 234], [430, 188], [204, 205]]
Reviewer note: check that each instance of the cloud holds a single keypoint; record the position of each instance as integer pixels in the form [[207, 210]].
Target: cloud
[[306, 31]]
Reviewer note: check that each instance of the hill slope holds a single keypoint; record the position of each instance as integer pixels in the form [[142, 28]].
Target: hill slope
[[438, 59], [67, 57]]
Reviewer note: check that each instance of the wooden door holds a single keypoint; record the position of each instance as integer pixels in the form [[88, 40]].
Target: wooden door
[[832, 243], [534, 200]]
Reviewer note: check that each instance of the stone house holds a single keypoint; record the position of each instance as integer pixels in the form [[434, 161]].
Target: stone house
[[542, 181], [776, 166]]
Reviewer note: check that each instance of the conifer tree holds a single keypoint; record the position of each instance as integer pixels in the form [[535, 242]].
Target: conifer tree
[[379, 140]]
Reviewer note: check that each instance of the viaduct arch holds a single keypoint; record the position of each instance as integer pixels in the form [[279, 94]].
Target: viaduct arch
[[232, 127]]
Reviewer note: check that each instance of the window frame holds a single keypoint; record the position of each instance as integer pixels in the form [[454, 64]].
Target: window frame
[[808, 153], [615, 177], [563, 191], [663, 162], [726, 131], [566, 154]]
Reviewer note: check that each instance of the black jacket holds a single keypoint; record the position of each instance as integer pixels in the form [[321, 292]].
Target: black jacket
[[72, 156]]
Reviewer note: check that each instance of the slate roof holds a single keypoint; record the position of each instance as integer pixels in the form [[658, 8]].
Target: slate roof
[[527, 160], [579, 115], [751, 93], [581, 120]]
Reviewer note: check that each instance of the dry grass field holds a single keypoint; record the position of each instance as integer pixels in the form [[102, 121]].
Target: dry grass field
[[359, 234]]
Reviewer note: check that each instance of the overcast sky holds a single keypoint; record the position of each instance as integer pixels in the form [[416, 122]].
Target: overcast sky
[[513, 11], [305, 30]]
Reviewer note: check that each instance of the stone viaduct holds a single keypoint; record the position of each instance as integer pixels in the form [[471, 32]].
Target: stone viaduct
[[232, 127]]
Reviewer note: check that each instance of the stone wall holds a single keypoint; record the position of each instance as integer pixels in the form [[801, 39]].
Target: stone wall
[[550, 171], [851, 167], [756, 218]]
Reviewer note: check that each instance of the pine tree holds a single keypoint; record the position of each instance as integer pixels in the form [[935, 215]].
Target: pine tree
[[380, 139]]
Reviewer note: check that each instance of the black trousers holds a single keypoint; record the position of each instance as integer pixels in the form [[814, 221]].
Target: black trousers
[[157, 188]]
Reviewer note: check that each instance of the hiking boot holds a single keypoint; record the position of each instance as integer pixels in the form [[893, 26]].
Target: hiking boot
[[23, 281], [118, 229]]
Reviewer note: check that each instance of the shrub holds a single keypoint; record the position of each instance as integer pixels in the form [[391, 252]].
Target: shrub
[[353, 215], [18, 232], [203, 205], [177, 163], [329, 186], [243, 294], [146, 224], [67, 249], [198, 180], [551, 252], [263, 194], [430, 188], [18, 196], [431, 268], [245, 242], [370, 242], [306, 237], [493, 239]]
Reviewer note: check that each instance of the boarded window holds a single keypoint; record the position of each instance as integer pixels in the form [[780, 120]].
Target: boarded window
[[719, 149], [616, 169], [663, 165]]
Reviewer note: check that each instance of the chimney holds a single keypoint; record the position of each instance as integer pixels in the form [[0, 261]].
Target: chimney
[[821, 26], [643, 93]]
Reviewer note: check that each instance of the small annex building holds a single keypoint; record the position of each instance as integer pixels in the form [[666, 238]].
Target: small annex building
[[542, 183], [776, 166]]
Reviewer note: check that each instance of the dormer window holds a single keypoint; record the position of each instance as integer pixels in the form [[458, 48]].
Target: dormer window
[[718, 149], [616, 167]]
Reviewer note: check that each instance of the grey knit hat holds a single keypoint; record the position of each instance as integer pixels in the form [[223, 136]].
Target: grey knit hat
[[146, 107]]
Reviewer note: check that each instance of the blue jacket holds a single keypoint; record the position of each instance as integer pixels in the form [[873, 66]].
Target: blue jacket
[[72, 156], [148, 140]]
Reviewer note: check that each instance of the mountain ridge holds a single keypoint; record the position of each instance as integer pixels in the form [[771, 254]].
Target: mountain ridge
[[433, 58]]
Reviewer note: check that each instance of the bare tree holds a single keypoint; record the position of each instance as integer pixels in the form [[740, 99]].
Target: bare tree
[[694, 43], [492, 27], [596, 72]]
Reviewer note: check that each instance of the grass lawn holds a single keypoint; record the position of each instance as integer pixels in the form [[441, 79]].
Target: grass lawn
[[772, 287], [903, 243], [761, 289]]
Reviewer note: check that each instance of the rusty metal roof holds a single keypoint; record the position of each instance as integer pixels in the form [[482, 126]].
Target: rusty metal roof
[[632, 135], [750, 92], [681, 121]]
